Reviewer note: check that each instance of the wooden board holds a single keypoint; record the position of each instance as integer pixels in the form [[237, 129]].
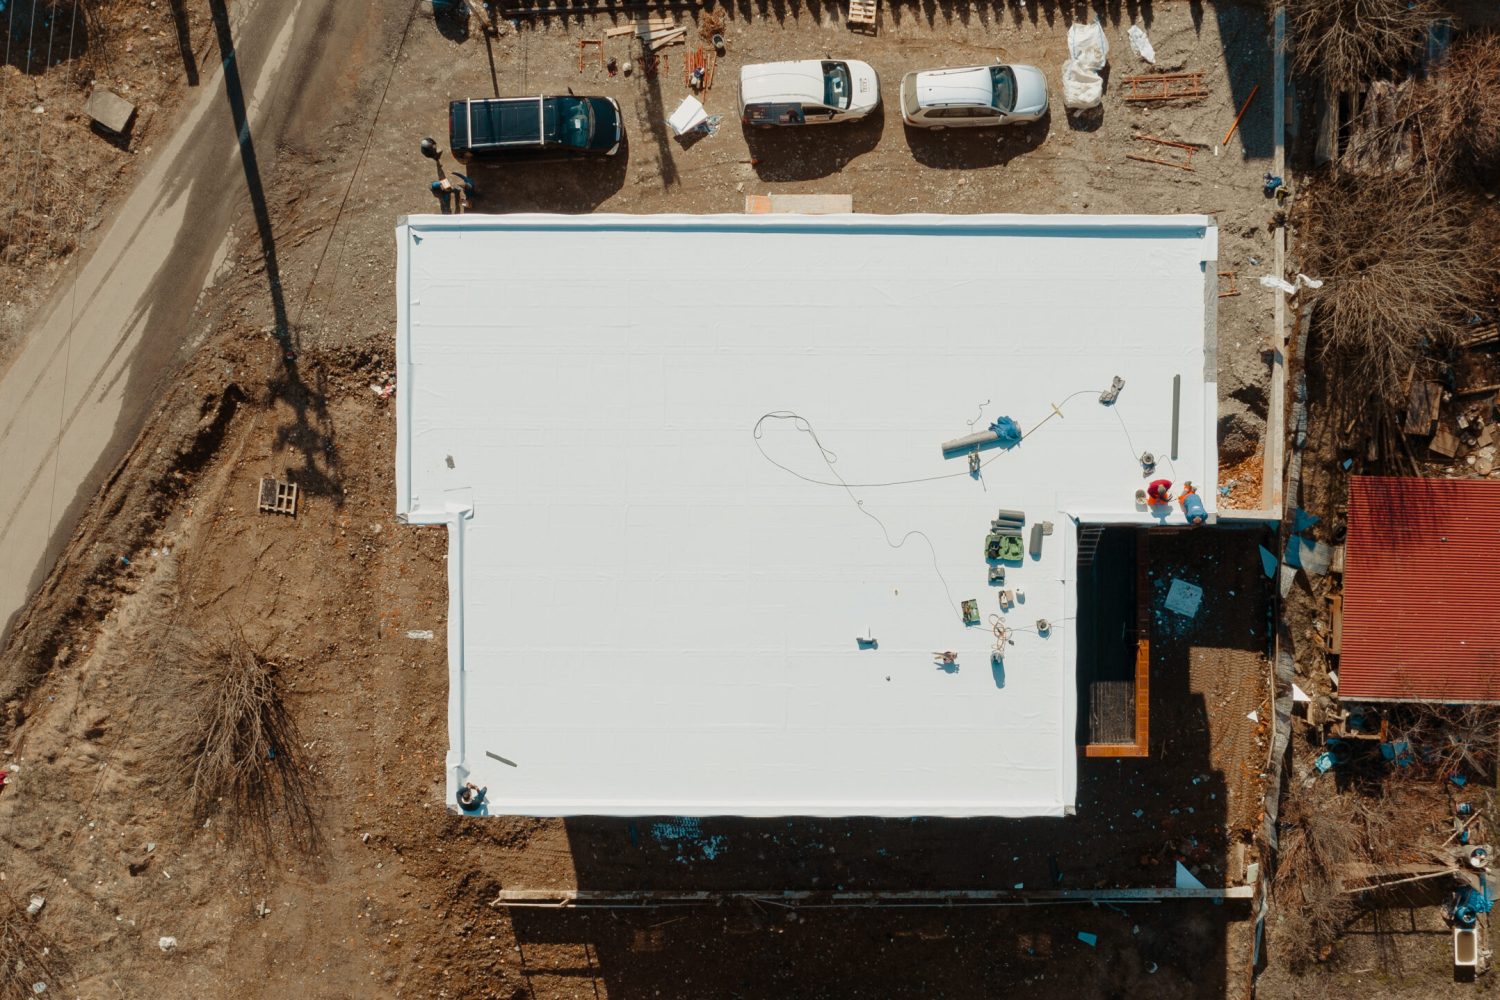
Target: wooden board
[[1336, 629], [1444, 442], [1422, 405]]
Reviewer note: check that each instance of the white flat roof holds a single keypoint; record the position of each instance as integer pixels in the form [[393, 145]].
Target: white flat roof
[[647, 616]]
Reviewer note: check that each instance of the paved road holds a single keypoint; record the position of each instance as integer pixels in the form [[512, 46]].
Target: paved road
[[84, 382]]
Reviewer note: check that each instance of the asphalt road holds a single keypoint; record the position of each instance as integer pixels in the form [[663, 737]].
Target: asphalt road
[[84, 380]]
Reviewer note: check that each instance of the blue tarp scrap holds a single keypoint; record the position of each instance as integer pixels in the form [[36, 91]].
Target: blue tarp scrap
[[1267, 561], [686, 834], [1092, 940], [1006, 430], [1399, 753], [1303, 520]]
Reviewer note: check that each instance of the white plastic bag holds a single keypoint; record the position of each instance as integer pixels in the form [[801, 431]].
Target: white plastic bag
[[1088, 46], [1082, 88], [1082, 85], [1141, 44]]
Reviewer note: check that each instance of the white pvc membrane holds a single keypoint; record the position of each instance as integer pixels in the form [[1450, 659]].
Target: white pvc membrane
[[648, 616]]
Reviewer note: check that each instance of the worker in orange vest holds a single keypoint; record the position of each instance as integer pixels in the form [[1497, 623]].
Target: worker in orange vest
[[1159, 492]]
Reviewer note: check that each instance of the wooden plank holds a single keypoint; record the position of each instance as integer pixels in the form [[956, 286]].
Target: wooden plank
[[1336, 618], [1422, 405], [628, 29], [799, 204], [944, 898], [1444, 442]]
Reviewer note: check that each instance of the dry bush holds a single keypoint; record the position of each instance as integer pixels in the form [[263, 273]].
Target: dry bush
[[1403, 270], [1350, 42], [1448, 740], [1458, 109], [26, 957], [232, 745], [1318, 838]]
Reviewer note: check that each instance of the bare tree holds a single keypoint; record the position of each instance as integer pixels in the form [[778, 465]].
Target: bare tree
[[1351, 42], [1459, 109], [231, 743], [1403, 270]]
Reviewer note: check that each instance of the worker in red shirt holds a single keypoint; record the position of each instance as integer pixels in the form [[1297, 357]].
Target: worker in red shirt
[[1159, 492]]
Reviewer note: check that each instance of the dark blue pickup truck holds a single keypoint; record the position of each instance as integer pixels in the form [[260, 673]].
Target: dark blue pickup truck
[[534, 128]]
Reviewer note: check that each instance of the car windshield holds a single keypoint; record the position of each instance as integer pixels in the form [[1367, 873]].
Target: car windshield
[[836, 85], [577, 121], [1005, 88]]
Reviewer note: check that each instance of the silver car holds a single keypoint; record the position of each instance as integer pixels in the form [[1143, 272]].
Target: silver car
[[973, 96]]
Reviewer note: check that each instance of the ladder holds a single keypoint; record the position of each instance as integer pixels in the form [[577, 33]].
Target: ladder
[[1088, 544], [1164, 87]]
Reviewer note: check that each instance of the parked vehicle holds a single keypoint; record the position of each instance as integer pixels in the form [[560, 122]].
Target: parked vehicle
[[973, 96], [535, 128], [807, 92]]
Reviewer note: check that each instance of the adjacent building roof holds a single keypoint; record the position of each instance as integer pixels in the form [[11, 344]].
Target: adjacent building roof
[[1421, 604], [659, 576]]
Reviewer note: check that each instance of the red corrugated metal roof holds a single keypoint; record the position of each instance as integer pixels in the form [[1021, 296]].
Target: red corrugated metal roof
[[1422, 591]]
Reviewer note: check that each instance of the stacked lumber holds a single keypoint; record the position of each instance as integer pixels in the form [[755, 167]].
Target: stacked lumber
[[659, 32]]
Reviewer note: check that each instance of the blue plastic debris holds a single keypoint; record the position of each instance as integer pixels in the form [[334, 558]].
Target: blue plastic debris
[[1459, 780], [1302, 520], [1092, 940], [1398, 753], [1323, 762], [1267, 561], [1348, 464], [1007, 431]]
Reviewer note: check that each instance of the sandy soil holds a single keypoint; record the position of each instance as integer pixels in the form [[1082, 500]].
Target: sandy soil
[[173, 541]]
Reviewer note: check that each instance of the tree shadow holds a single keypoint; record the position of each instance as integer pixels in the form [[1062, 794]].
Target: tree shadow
[[311, 431], [185, 43], [808, 152], [451, 17], [41, 34], [967, 148], [1245, 35]]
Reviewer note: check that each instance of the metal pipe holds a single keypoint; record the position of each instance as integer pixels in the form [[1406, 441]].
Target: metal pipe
[[1177, 411], [965, 443]]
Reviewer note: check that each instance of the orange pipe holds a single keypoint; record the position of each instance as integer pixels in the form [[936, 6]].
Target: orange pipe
[[1253, 91]]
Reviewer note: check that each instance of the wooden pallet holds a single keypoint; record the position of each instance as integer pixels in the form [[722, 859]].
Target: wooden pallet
[[1164, 87], [277, 497], [864, 15]]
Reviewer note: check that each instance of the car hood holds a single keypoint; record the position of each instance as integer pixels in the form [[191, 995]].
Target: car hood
[[1031, 90], [865, 84], [607, 130]]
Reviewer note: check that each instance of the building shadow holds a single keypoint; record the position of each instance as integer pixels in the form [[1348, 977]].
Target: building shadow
[[1136, 820]]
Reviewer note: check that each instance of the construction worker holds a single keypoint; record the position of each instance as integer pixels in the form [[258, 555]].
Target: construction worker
[[1192, 504], [454, 192], [1159, 492]]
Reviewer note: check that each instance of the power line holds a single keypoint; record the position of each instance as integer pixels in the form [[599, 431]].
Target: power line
[[369, 138]]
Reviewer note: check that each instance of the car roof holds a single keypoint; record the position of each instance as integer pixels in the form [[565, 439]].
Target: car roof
[[782, 82], [970, 85]]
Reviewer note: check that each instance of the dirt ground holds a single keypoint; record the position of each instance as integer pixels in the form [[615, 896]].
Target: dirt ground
[[396, 901]]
